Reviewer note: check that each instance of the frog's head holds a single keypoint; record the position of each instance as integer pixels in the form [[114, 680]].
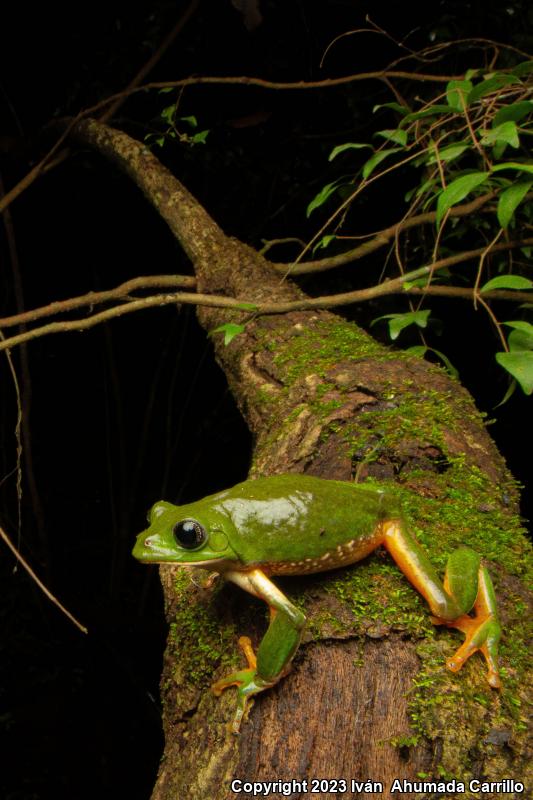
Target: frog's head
[[188, 535]]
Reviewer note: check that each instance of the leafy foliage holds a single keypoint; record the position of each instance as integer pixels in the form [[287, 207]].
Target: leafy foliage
[[471, 142], [170, 126]]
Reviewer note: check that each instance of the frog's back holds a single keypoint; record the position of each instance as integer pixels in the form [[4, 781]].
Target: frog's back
[[294, 524]]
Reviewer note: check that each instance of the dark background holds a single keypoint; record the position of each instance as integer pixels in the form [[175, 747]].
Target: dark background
[[137, 410]]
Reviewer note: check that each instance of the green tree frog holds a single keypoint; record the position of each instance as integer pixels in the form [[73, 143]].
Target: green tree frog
[[298, 524]]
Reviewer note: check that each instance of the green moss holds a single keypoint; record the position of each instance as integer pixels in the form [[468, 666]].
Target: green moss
[[448, 504], [199, 636], [314, 349]]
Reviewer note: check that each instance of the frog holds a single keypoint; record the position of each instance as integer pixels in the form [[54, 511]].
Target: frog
[[297, 524]]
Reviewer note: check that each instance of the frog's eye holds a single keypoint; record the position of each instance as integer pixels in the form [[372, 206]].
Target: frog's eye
[[189, 534]]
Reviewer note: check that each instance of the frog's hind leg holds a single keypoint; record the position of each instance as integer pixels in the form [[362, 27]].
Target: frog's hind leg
[[482, 630], [464, 600]]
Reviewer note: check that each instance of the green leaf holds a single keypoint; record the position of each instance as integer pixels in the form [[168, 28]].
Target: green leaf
[[514, 112], [523, 167], [510, 199], [154, 138], [418, 282], [397, 136], [424, 188], [448, 153], [520, 325], [507, 282], [376, 159], [457, 93], [521, 337], [397, 322], [193, 122], [490, 85], [498, 150], [168, 114], [432, 111], [324, 242], [200, 137], [506, 133], [524, 68], [166, 90], [230, 331], [348, 146], [420, 350], [520, 365], [520, 340], [394, 106], [322, 196], [457, 190], [508, 394]]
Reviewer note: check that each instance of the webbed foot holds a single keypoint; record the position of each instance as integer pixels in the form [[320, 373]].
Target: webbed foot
[[482, 631], [247, 682]]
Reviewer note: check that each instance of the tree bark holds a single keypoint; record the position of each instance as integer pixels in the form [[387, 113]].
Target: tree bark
[[368, 697]]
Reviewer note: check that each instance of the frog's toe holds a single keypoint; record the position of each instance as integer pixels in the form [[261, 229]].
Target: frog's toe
[[482, 635], [248, 684], [240, 679]]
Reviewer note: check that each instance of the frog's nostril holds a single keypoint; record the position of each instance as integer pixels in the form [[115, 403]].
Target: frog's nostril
[[148, 542]]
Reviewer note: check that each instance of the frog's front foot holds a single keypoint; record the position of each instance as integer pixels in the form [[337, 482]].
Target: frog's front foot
[[247, 682]]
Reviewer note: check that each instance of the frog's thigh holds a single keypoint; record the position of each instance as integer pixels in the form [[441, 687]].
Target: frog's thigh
[[416, 566]]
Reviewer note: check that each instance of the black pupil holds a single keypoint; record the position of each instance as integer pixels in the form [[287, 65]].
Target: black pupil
[[189, 534]]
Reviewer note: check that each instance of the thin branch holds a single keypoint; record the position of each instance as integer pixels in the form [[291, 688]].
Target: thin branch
[[481, 300], [40, 584], [216, 301], [111, 103], [95, 298], [379, 240], [243, 80], [488, 249], [119, 311], [289, 268], [441, 46], [466, 293], [39, 168]]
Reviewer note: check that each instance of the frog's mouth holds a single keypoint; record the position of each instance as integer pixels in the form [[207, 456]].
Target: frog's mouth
[[151, 554]]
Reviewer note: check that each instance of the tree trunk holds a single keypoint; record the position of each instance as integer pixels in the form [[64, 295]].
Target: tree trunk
[[369, 697]]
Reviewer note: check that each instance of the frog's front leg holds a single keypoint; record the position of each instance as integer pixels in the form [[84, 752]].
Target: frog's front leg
[[466, 588], [276, 649]]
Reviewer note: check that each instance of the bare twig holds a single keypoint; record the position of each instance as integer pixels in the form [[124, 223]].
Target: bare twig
[[40, 584], [120, 97], [95, 298], [216, 301], [379, 239]]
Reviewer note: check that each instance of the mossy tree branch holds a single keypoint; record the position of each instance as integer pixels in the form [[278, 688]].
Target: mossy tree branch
[[322, 397]]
